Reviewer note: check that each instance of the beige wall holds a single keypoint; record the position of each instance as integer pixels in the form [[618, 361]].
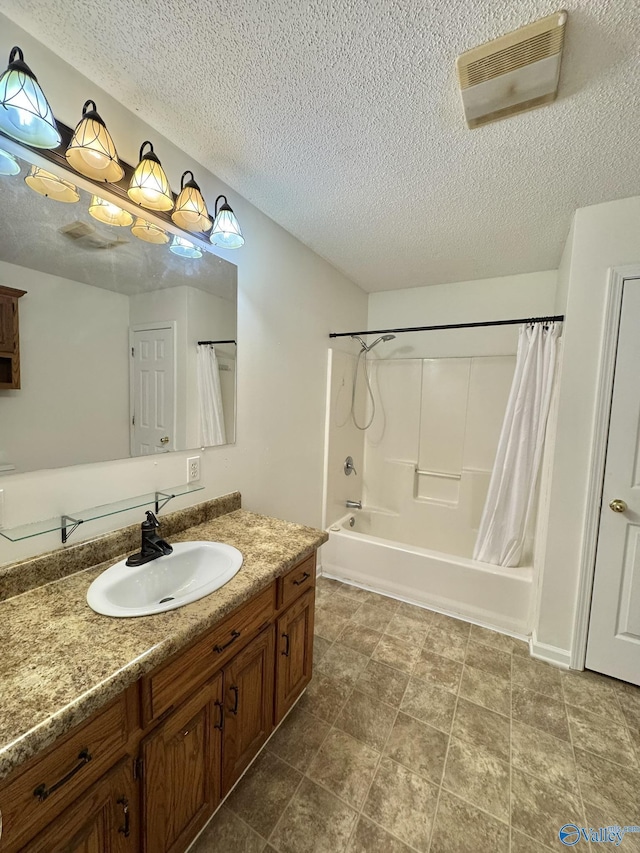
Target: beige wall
[[289, 300]]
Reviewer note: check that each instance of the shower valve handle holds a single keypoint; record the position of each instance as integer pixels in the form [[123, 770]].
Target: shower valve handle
[[349, 467]]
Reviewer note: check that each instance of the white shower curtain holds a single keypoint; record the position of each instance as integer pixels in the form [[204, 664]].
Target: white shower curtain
[[212, 430], [512, 489]]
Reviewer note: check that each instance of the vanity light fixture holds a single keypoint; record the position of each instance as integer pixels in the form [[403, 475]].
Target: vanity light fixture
[[51, 186], [191, 211], [91, 150], [149, 232], [149, 185], [110, 214], [184, 248], [8, 164], [25, 114], [226, 231]]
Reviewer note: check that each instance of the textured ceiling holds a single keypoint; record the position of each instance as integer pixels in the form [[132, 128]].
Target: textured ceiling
[[341, 120]]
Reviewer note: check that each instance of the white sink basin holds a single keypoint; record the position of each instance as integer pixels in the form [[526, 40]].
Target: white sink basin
[[193, 570]]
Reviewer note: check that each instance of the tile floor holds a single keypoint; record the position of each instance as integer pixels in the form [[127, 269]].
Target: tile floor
[[424, 733]]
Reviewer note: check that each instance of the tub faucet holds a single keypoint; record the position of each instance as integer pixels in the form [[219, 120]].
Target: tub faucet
[[353, 504], [152, 546]]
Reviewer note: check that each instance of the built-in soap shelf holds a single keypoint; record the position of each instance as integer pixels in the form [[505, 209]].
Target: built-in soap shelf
[[68, 522]]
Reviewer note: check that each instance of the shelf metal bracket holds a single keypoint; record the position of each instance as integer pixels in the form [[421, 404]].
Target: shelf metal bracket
[[68, 529], [162, 499]]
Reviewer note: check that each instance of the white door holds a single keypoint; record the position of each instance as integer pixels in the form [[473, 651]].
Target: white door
[[613, 646], [152, 390]]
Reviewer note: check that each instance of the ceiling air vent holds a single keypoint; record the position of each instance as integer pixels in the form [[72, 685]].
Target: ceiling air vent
[[88, 237], [513, 73]]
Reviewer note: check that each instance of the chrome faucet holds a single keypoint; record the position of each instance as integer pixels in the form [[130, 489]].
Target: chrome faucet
[[152, 546], [353, 504]]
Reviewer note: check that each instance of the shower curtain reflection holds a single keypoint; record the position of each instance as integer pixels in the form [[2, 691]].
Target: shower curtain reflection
[[212, 428]]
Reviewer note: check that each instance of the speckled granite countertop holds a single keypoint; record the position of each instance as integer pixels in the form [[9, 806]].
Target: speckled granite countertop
[[60, 661]]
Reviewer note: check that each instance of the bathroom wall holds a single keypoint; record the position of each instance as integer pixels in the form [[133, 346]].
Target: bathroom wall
[[289, 300]]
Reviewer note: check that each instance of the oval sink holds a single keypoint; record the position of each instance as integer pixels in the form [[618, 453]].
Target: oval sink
[[193, 570]]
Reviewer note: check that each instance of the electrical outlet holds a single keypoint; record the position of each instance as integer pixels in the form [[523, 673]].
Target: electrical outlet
[[193, 469]]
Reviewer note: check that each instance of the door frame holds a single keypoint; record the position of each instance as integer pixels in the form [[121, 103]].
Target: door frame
[[148, 327], [604, 394]]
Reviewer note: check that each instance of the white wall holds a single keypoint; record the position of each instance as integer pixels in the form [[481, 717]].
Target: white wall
[[603, 236], [67, 408], [289, 300]]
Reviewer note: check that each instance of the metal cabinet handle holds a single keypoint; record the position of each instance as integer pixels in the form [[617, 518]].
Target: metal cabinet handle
[[42, 792], [302, 579], [219, 725], [126, 829], [286, 648], [235, 690], [234, 637]]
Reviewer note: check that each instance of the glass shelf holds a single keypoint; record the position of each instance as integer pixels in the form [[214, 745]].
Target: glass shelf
[[67, 523]]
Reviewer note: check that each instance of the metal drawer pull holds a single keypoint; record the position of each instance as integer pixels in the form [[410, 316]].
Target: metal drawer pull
[[302, 579], [286, 650], [234, 710], [126, 829], [219, 725], [234, 637], [42, 792]]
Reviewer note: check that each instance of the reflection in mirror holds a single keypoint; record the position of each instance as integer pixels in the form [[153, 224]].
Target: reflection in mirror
[[109, 327]]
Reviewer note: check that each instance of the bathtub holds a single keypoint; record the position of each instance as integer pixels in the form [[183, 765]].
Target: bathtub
[[489, 595]]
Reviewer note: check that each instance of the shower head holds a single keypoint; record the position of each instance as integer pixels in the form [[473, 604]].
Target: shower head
[[366, 348], [361, 342]]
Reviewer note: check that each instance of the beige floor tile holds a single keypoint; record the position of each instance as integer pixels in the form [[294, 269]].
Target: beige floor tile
[[478, 725], [489, 660], [598, 817], [417, 746], [383, 683], [520, 647], [328, 624], [539, 754], [629, 699], [403, 803], [539, 711], [417, 614], [263, 793], [449, 644], [601, 736], [374, 616], [408, 629], [495, 639], [592, 692], [342, 605], [366, 719], [451, 625], [345, 766], [298, 738], [226, 831], [384, 602], [320, 647], [342, 663], [487, 690], [323, 596], [370, 838], [325, 696], [429, 703], [475, 774], [359, 638], [523, 844], [396, 652], [609, 786], [438, 670], [536, 675], [461, 828], [354, 592], [539, 809], [331, 584], [315, 821]]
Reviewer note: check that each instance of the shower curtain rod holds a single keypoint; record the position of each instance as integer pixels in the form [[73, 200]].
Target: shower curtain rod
[[558, 318], [204, 343]]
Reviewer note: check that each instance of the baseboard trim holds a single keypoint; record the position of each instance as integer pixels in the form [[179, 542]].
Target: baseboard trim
[[549, 654]]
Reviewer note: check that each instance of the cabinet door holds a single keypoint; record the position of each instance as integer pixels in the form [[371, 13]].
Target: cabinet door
[[181, 772], [8, 307], [248, 689], [103, 820], [294, 652]]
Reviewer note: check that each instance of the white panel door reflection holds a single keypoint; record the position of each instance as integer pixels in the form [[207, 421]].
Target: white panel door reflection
[[152, 390]]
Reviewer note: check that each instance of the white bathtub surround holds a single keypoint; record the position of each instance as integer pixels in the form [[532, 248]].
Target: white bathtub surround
[[512, 490]]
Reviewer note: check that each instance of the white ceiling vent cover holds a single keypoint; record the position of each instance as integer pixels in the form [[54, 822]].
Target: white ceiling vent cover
[[513, 73]]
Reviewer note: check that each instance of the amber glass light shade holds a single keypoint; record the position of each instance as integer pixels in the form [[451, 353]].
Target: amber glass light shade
[[149, 232], [51, 186], [25, 113], [149, 185], [191, 211], [91, 150], [110, 214]]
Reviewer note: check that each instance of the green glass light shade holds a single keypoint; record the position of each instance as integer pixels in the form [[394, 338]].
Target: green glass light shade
[[25, 114], [226, 231]]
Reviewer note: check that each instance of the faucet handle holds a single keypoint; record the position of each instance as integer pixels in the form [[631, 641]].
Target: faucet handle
[[152, 521], [349, 466]]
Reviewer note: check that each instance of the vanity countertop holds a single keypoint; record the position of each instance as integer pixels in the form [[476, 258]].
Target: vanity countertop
[[61, 662]]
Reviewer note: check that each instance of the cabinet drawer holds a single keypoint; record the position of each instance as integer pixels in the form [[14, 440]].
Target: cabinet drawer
[[48, 784], [298, 580], [168, 685]]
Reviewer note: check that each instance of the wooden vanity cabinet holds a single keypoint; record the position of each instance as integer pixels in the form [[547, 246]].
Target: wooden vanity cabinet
[[9, 338], [294, 652]]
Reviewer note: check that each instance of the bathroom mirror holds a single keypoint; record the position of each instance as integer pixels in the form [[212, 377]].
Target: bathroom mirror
[[109, 332]]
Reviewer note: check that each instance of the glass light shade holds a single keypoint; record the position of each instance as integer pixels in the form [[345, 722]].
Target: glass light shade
[[149, 186], [25, 114], [149, 232], [51, 186], [184, 249], [91, 150], [8, 164], [226, 231], [191, 211], [110, 214]]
